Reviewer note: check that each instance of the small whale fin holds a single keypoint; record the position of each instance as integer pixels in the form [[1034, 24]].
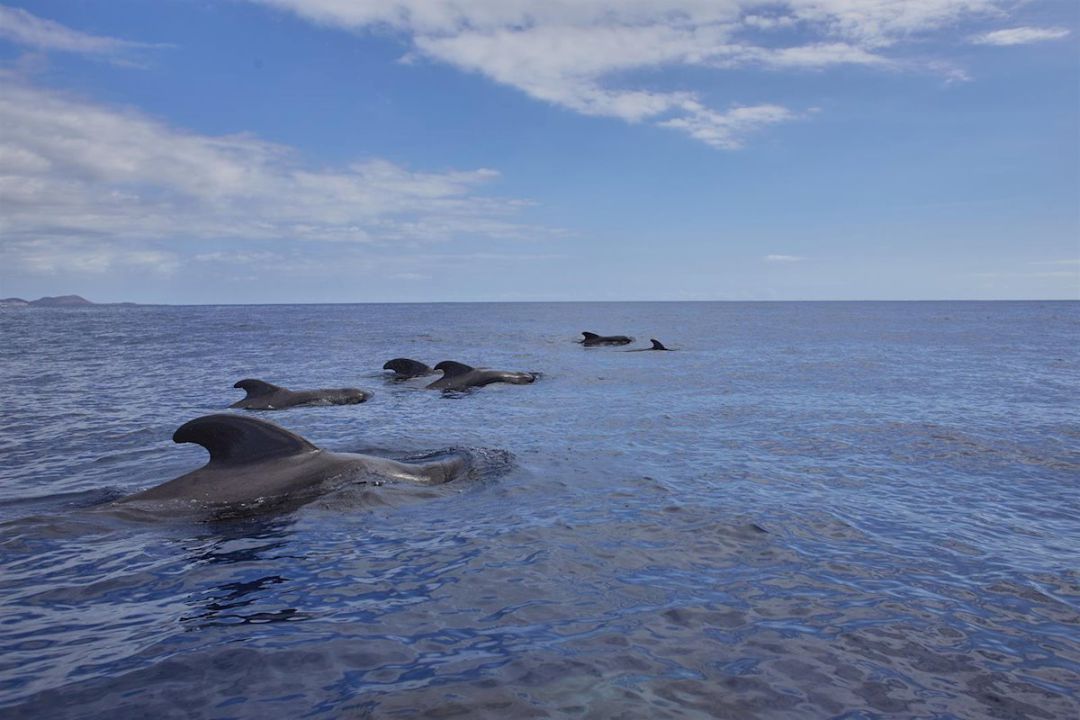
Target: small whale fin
[[235, 440], [657, 345], [255, 388], [453, 369], [589, 335]]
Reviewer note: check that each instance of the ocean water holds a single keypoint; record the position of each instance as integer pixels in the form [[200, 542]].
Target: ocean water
[[849, 510]]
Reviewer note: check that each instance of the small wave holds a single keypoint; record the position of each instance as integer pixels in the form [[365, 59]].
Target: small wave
[[68, 500]]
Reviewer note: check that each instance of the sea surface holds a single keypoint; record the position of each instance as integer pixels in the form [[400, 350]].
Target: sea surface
[[810, 510]]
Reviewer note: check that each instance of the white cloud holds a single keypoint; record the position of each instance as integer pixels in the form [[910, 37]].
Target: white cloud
[[578, 54], [1021, 36], [816, 56], [563, 64], [250, 258], [56, 255], [23, 28], [424, 17], [80, 182], [769, 22], [726, 130], [882, 23], [876, 21], [783, 258]]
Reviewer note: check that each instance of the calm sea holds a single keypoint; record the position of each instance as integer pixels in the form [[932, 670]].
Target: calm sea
[[810, 510]]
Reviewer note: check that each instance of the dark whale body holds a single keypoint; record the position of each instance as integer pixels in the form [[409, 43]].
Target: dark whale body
[[594, 340], [458, 376], [266, 396], [406, 369], [257, 467], [656, 345]]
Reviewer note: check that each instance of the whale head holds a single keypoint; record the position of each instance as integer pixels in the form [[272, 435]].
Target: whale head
[[404, 367]]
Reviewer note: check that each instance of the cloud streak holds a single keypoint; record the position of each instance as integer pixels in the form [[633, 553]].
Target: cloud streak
[[1021, 36], [578, 54], [90, 187], [23, 28]]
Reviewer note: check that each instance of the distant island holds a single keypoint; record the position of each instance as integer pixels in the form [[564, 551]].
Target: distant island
[[58, 301]]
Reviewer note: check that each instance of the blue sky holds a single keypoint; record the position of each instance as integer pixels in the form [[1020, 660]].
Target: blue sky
[[403, 150]]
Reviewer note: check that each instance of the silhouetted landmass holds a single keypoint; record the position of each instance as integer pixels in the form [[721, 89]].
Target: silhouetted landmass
[[61, 301], [58, 301]]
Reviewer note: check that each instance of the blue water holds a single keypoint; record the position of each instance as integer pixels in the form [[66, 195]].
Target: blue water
[[810, 510]]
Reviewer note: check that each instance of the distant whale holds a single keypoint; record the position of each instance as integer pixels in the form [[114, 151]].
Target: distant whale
[[256, 466], [656, 345], [594, 340], [406, 369], [265, 396], [458, 376]]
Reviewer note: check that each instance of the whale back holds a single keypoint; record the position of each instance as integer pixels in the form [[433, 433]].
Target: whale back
[[453, 369], [406, 366], [255, 388], [234, 440]]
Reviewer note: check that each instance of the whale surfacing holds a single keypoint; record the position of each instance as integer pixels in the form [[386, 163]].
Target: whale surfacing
[[262, 395], [256, 467], [459, 376], [656, 345], [407, 369], [590, 339]]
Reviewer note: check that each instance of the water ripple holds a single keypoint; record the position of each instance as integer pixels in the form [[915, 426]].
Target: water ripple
[[846, 510]]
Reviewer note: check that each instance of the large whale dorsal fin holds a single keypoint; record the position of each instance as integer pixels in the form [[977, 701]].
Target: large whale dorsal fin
[[657, 345], [255, 388], [234, 440], [589, 335], [453, 369]]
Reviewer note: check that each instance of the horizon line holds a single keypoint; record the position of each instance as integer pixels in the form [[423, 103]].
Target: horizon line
[[130, 303]]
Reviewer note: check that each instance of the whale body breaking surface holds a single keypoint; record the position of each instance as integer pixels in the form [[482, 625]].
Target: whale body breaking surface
[[459, 376], [590, 339], [407, 368], [256, 466], [262, 395]]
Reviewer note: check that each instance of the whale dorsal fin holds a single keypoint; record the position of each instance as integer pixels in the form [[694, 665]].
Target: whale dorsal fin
[[255, 388], [234, 440], [453, 369], [589, 335], [406, 365], [657, 345]]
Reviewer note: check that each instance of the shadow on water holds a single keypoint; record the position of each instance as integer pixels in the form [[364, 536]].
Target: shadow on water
[[255, 543]]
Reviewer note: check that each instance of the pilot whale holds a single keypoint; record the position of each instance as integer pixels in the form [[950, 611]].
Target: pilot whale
[[406, 369], [458, 376], [594, 340], [656, 345], [266, 396], [257, 467]]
